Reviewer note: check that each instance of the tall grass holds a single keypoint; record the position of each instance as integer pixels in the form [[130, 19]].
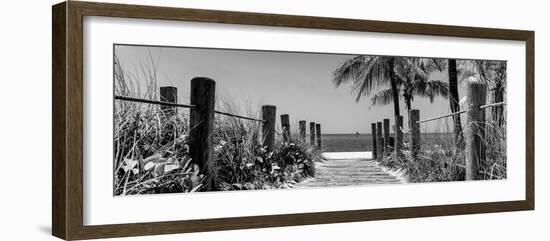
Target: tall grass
[[440, 159], [152, 153]]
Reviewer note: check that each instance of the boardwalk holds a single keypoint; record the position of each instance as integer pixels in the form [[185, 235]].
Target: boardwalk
[[347, 169]]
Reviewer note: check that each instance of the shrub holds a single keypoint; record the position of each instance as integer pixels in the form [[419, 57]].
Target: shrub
[[242, 163]]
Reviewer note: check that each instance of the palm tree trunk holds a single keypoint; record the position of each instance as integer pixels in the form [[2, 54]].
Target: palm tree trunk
[[393, 82], [408, 105], [453, 100]]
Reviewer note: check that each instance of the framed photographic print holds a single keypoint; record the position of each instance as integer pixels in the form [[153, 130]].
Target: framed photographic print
[[172, 120]]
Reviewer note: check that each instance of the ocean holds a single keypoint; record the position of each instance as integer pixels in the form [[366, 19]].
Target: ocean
[[363, 142], [346, 142]]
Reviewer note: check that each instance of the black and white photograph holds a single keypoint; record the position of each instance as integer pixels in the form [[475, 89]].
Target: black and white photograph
[[203, 119]]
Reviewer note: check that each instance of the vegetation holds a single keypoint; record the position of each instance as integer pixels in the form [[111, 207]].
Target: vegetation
[[414, 80], [493, 74], [440, 161], [151, 143], [367, 73], [152, 153], [443, 159], [406, 75], [242, 163]]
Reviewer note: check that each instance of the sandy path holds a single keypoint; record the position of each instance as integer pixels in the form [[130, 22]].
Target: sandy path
[[346, 171]]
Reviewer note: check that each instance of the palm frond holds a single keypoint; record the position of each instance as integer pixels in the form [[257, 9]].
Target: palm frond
[[432, 89], [382, 97], [365, 73], [429, 65], [350, 70]]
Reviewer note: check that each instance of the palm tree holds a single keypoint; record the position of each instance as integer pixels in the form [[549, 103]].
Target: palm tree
[[454, 100], [367, 73], [414, 80]]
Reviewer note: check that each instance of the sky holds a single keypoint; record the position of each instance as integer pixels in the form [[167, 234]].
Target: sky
[[298, 84]]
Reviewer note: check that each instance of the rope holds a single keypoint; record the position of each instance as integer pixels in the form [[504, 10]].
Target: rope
[[156, 102], [238, 116], [181, 105], [491, 105], [441, 117], [461, 112]]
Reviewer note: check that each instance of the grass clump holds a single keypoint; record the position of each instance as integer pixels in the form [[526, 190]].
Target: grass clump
[[440, 160], [151, 152]]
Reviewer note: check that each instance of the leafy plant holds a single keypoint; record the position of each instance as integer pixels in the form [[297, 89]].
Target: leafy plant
[[152, 152], [242, 163]]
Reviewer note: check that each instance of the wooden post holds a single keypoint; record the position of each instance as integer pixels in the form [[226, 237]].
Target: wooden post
[[387, 136], [475, 129], [168, 94], [415, 132], [373, 134], [318, 133], [379, 141], [269, 115], [285, 124], [312, 133], [201, 127], [302, 126], [384, 152], [398, 144]]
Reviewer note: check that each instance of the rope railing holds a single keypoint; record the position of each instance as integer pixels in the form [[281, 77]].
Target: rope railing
[[238, 116], [492, 105], [156, 102], [441, 117], [452, 114], [461, 112]]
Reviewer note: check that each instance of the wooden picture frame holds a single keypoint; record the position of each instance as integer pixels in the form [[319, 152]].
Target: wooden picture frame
[[67, 123]]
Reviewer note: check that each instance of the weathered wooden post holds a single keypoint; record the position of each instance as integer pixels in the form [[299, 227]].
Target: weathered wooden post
[[384, 151], [201, 127], [302, 127], [269, 115], [475, 129], [168, 94], [415, 132], [387, 136], [379, 141], [285, 124], [373, 134], [312, 133], [318, 133], [398, 144]]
